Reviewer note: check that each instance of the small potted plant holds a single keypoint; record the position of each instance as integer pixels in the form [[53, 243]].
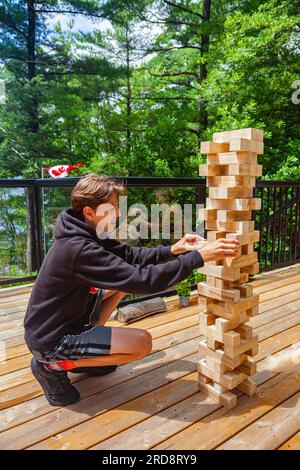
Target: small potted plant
[[184, 287]]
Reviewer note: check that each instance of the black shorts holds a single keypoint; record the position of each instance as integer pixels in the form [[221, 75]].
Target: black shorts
[[88, 341]]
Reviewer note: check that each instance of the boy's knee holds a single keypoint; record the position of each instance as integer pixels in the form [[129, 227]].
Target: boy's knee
[[144, 343]]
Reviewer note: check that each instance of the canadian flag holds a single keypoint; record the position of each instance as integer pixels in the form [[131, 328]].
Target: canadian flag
[[61, 171]]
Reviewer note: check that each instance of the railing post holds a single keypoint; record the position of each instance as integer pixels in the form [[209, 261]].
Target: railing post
[[38, 226], [34, 229]]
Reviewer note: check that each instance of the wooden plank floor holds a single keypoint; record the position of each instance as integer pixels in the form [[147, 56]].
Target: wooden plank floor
[[154, 403]]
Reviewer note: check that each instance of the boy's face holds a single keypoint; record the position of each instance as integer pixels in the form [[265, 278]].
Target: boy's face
[[105, 216]]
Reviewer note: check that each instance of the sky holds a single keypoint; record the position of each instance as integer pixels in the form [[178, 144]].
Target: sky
[[81, 23]]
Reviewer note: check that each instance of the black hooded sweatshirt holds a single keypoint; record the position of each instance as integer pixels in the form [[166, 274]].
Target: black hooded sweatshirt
[[79, 260]]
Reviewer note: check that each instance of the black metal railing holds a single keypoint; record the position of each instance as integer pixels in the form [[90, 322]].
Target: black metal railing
[[36, 204], [278, 221]]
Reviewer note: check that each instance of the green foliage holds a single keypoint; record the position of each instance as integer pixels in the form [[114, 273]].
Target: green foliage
[[184, 287]]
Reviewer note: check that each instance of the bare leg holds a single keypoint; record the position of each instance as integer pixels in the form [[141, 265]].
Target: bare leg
[[127, 345], [110, 300]]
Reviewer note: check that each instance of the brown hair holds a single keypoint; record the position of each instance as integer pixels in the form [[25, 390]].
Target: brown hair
[[92, 190]]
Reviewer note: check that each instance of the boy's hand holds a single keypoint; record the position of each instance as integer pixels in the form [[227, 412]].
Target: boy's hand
[[189, 242], [219, 249]]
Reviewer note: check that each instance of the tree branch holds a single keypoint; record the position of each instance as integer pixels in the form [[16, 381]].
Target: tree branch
[[182, 8], [72, 12], [167, 49], [173, 74]]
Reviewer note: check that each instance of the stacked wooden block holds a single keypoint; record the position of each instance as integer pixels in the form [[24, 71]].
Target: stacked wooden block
[[229, 343]]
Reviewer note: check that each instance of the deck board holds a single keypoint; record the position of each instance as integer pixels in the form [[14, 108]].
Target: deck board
[[154, 403]]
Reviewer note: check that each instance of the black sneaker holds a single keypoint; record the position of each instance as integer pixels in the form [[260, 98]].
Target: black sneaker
[[56, 385], [97, 370]]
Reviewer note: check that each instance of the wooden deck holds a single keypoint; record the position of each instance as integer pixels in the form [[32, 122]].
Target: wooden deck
[[155, 403]]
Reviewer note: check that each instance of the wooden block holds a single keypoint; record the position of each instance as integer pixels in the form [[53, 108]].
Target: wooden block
[[245, 290], [241, 227], [212, 170], [212, 236], [228, 315], [249, 133], [213, 344], [253, 351], [232, 340], [221, 284], [253, 269], [245, 346], [211, 281], [228, 399], [228, 260], [231, 169], [206, 318], [229, 380], [224, 325], [207, 214], [252, 312], [220, 357], [230, 193], [226, 158], [242, 280], [245, 145], [216, 366], [249, 204], [220, 272], [231, 215], [244, 261], [229, 310], [230, 295], [220, 334], [213, 147], [248, 387], [245, 331], [246, 238], [247, 249], [243, 169], [248, 367], [212, 335], [203, 379], [231, 181]]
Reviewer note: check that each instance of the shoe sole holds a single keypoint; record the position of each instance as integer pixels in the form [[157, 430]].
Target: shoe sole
[[93, 370]]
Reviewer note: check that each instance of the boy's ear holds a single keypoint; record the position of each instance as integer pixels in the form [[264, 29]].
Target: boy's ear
[[88, 211]]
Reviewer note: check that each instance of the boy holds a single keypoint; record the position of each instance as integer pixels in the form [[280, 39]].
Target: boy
[[64, 328]]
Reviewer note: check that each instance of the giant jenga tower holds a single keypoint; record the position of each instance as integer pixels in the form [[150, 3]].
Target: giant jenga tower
[[231, 172]]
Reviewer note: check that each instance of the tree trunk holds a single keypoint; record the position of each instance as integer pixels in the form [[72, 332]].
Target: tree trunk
[[203, 115], [128, 94], [33, 127]]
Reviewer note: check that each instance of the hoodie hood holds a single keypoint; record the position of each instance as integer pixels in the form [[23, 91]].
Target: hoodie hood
[[68, 224]]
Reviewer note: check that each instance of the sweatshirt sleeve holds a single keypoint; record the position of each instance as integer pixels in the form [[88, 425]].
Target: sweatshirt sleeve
[[141, 255], [98, 267]]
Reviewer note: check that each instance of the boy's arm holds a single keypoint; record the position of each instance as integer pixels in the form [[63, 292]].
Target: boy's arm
[[144, 256], [103, 268], [139, 255]]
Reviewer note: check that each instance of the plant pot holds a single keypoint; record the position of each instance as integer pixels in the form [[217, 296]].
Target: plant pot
[[184, 301]]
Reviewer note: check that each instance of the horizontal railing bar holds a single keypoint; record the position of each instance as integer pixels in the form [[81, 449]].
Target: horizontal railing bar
[[14, 280], [132, 181]]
